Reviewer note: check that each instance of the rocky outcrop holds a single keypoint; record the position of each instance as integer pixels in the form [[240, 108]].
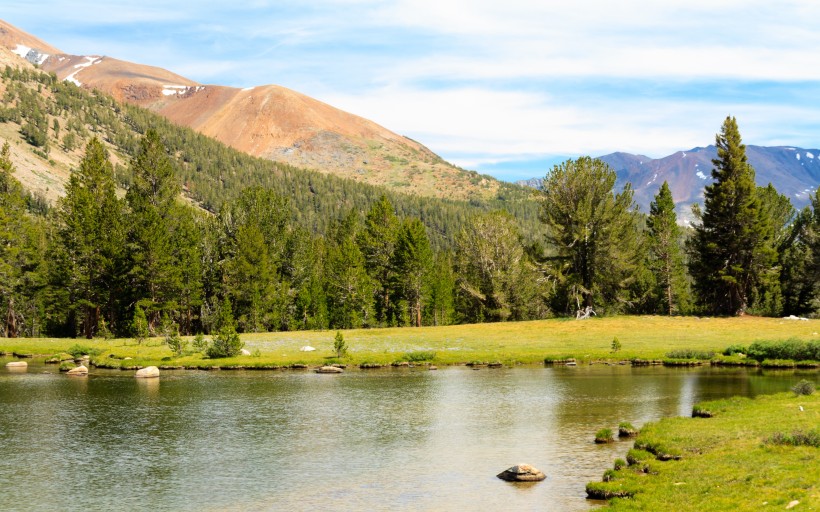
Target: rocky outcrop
[[522, 473], [148, 372]]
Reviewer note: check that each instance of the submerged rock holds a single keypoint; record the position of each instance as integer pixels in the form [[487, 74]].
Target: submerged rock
[[522, 473], [147, 372], [329, 369]]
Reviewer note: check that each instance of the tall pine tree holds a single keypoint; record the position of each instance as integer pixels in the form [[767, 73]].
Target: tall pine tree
[[666, 255], [732, 245]]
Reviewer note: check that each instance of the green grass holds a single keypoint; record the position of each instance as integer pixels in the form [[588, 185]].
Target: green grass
[[751, 455], [641, 337]]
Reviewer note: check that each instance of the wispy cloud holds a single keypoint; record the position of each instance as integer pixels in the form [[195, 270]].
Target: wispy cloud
[[482, 82]]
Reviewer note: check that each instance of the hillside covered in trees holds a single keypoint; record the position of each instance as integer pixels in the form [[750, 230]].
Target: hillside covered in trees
[[161, 230]]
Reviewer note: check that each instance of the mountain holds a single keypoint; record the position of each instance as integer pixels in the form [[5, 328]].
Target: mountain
[[794, 172], [269, 121]]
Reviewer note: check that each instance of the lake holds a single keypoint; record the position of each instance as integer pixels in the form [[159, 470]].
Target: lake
[[398, 439]]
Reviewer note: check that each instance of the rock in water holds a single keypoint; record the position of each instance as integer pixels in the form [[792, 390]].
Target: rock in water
[[79, 370], [522, 473], [329, 369], [16, 364], [147, 372]]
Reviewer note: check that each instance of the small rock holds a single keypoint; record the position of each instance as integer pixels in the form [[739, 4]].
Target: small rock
[[17, 364], [79, 370], [329, 369], [433, 367], [148, 372], [307, 348], [792, 504], [245, 352], [522, 473]]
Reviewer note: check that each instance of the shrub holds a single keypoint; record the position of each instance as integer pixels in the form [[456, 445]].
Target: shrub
[[690, 354], [419, 356], [339, 345], [734, 349], [200, 343], [78, 350], [804, 387], [225, 344], [615, 345], [797, 438], [794, 349], [604, 436]]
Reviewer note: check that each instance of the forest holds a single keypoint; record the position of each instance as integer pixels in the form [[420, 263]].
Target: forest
[[191, 234]]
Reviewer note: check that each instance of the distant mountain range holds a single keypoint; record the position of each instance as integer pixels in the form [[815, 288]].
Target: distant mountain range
[[794, 172], [268, 121]]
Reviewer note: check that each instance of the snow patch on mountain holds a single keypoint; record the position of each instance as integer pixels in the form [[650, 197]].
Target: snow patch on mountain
[[90, 61], [809, 155], [180, 90], [797, 156], [30, 54]]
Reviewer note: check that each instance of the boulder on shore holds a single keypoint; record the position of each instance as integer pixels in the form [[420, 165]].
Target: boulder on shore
[[307, 348], [147, 373], [245, 352], [17, 364], [522, 473], [329, 369], [79, 370]]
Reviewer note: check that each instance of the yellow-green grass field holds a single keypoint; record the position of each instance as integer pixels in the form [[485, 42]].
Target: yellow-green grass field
[[645, 337], [744, 457]]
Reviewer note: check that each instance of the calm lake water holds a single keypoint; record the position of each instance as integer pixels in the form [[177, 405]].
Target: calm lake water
[[406, 439]]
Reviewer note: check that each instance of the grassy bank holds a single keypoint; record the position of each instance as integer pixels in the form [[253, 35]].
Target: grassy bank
[[749, 455], [644, 337]]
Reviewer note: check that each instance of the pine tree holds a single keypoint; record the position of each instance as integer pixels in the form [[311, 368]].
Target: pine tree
[[731, 247], [154, 275], [378, 243], [412, 262], [349, 288], [666, 253], [88, 254], [594, 233]]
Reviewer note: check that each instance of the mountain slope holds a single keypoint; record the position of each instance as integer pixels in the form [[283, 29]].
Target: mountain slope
[[268, 121]]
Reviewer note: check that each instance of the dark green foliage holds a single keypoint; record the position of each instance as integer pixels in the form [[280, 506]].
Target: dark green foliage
[[666, 255], [349, 289], [731, 252], [795, 350], [804, 387], [378, 243], [78, 351], [797, 438], [690, 354], [339, 345], [615, 345], [734, 349], [592, 231], [412, 262], [226, 343]]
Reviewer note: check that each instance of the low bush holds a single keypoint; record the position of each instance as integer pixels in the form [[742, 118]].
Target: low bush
[[804, 387], [735, 349], [419, 356], [78, 350], [793, 349], [797, 438], [690, 354]]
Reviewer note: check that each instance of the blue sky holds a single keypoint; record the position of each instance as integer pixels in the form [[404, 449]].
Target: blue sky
[[506, 88]]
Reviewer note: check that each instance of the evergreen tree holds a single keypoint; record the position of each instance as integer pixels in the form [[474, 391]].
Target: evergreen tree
[[154, 275], [412, 262], [440, 308], [88, 254], [378, 243], [731, 248], [666, 253], [348, 287], [593, 231]]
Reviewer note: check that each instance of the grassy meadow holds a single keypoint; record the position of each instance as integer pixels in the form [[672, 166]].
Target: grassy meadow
[[735, 460], [644, 337]]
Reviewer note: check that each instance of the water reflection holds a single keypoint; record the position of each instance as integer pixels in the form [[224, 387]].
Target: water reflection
[[397, 439]]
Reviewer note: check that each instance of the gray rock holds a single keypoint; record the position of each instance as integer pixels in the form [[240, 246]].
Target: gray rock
[[79, 370], [17, 364], [522, 473], [329, 369], [245, 352]]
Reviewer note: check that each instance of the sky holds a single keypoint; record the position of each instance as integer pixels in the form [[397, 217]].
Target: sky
[[507, 88]]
